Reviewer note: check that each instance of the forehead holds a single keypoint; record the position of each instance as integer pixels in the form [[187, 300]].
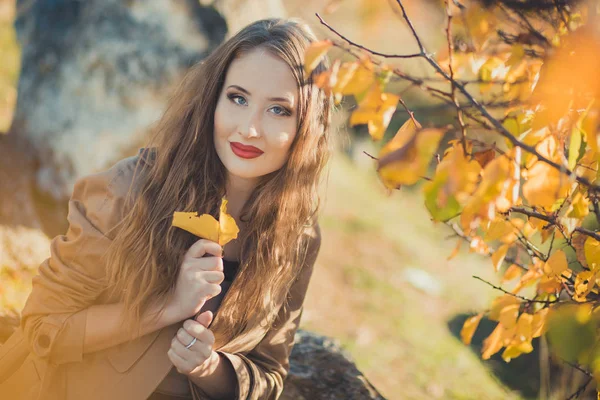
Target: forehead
[[262, 74]]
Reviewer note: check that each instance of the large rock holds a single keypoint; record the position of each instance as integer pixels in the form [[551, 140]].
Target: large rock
[[96, 73], [321, 370]]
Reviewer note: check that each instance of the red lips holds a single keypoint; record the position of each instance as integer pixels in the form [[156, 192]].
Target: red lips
[[245, 151]]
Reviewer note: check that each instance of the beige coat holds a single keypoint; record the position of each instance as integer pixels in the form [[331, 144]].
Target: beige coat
[[43, 359]]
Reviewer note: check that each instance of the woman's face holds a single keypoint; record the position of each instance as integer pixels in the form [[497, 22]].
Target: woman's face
[[257, 107]]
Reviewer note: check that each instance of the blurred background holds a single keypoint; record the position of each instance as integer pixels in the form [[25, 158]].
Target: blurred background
[[80, 81]]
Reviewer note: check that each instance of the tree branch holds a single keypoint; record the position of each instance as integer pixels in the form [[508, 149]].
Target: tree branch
[[516, 295]]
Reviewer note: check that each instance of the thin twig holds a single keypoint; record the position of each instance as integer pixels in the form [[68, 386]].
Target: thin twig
[[500, 129], [580, 390], [516, 295], [463, 130], [350, 42]]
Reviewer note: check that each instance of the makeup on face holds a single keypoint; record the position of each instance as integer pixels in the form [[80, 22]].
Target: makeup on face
[[247, 152], [256, 118]]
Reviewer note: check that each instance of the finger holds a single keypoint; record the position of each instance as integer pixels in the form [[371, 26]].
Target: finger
[[205, 246], [205, 318], [184, 336], [204, 349], [178, 362], [180, 349], [213, 276], [206, 263], [198, 331]]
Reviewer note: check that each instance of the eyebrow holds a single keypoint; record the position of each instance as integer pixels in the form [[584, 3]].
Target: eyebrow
[[241, 89]]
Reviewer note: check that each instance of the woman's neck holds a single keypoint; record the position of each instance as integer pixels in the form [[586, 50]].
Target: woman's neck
[[237, 193]]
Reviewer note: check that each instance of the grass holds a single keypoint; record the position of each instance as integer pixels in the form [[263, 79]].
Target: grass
[[397, 334]]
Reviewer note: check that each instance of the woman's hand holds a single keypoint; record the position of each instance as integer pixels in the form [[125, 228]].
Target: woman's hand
[[199, 279], [194, 360]]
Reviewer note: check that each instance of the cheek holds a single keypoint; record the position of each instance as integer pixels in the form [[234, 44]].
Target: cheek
[[284, 140], [224, 118], [282, 134]]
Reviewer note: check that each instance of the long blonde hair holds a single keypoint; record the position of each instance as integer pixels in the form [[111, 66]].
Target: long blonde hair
[[187, 175]]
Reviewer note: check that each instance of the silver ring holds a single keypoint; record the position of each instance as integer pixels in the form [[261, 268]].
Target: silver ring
[[190, 345]]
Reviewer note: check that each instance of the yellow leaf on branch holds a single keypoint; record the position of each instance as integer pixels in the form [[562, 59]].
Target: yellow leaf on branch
[[314, 54], [469, 328], [375, 110], [454, 181], [545, 185], [569, 79], [591, 249], [521, 340], [498, 256], [493, 343], [512, 272], [538, 324], [206, 226], [556, 264], [500, 337], [497, 191], [533, 274], [359, 76], [500, 303], [584, 283], [580, 206], [498, 228], [405, 158]]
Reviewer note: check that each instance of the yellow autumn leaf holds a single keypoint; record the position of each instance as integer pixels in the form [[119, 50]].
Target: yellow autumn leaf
[[361, 78], [516, 55], [228, 228], [462, 172], [549, 284], [580, 206], [508, 315], [326, 80], [521, 341], [569, 78], [498, 256], [345, 74], [206, 226], [533, 274], [314, 54], [499, 338], [495, 184], [499, 304], [512, 272], [375, 111], [493, 343], [556, 264], [584, 283], [408, 163], [538, 324], [545, 185], [591, 249], [469, 328]]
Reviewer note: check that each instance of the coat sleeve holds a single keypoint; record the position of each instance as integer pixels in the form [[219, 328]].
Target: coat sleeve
[[261, 372], [54, 316]]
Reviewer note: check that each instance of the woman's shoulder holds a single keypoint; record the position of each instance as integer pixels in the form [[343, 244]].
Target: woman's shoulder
[[119, 177], [312, 234], [104, 196]]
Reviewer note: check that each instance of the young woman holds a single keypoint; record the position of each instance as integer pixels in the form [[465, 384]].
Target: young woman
[[112, 311]]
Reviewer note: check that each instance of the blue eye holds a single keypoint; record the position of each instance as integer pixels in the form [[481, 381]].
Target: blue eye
[[237, 99], [280, 111]]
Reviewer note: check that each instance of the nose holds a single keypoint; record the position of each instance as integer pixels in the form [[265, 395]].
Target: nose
[[251, 126]]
